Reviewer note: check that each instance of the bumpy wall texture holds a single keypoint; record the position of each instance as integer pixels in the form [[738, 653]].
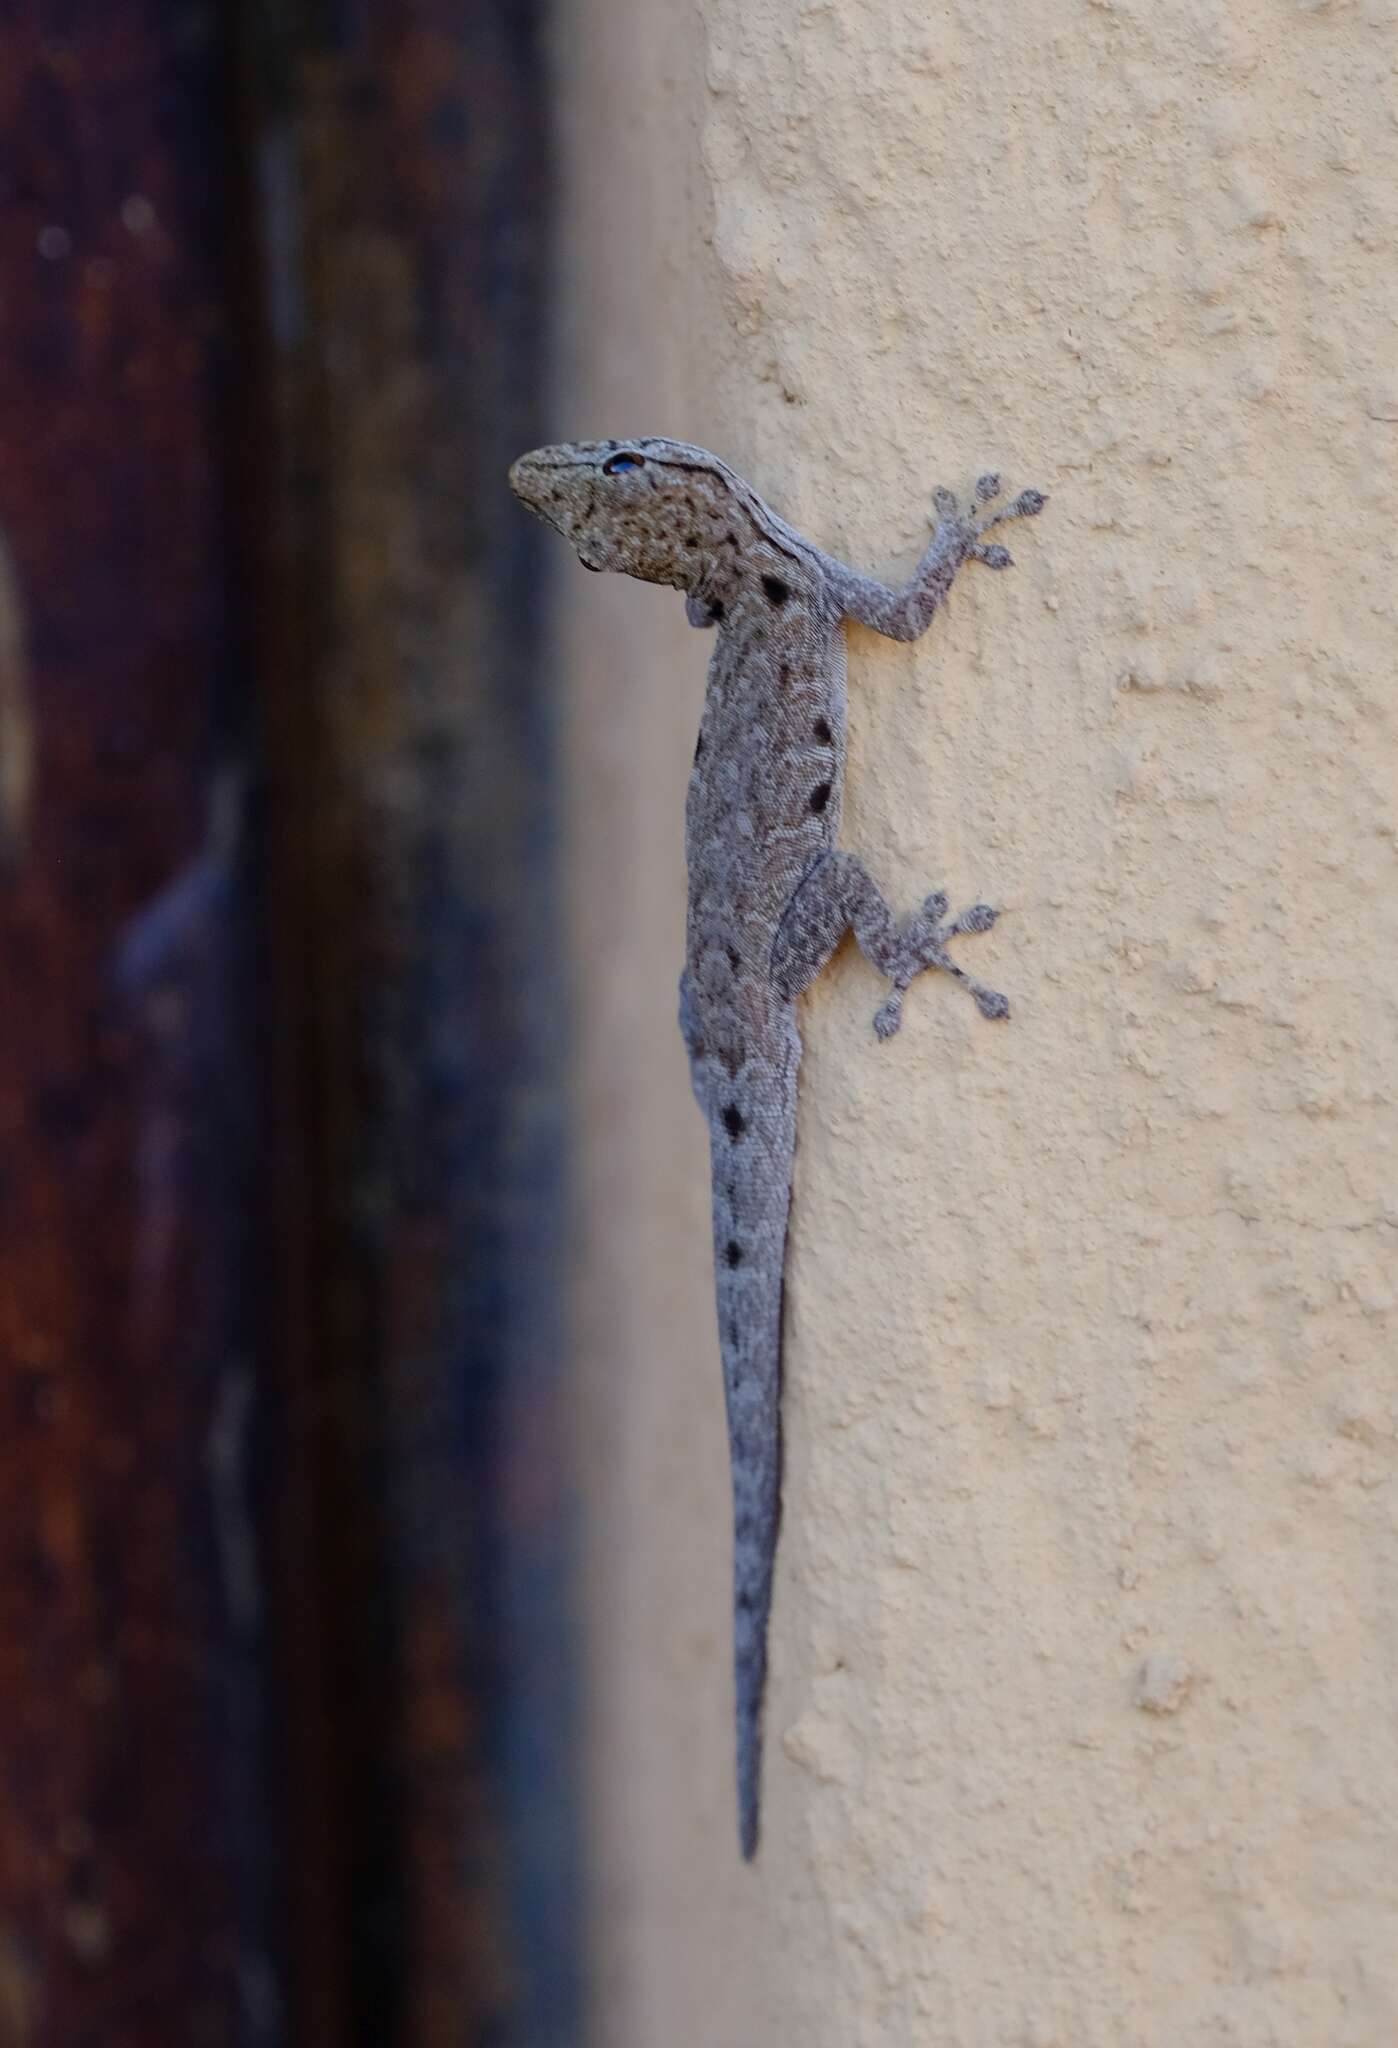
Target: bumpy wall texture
[[1081, 1730]]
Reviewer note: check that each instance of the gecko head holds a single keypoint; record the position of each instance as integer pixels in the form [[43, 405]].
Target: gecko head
[[648, 508]]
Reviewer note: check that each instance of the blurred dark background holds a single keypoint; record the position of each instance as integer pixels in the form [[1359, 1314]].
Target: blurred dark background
[[286, 1695]]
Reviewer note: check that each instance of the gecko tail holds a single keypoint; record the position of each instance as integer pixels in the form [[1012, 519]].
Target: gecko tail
[[749, 1790], [752, 1124], [755, 1423], [751, 1610]]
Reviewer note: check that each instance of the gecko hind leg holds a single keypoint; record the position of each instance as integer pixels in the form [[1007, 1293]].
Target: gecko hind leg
[[924, 940], [839, 894]]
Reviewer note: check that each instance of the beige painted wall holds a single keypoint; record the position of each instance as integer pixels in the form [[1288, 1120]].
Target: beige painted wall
[[1083, 1722]]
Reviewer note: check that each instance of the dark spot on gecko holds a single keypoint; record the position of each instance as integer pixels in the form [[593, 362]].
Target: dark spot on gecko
[[699, 746], [820, 797], [734, 958], [776, 590], [783, 674], [731, 539], [691, 540], [733, 1252], [734, 1122], [717, 610], [822, 731]]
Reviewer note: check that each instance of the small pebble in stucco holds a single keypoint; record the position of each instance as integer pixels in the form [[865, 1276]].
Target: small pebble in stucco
[[1163, 1683]]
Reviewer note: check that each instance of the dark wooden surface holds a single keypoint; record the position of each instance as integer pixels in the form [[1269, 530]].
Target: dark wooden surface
[[285, 1675], [138, 1855], [403, 160]]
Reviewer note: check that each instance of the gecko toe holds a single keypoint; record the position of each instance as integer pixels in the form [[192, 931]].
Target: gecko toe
[[889, 1017], [979, 918], [991, 1004], [1025, 506], [987, 487]]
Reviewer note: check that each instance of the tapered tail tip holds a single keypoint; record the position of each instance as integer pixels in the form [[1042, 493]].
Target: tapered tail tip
[[747, 1826], [749, 1785]]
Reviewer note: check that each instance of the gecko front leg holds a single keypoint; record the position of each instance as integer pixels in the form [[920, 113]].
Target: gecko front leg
[[957, 537], [839, 894]]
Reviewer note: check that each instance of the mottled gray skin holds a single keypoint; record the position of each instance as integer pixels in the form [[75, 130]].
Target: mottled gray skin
[[769, 897]]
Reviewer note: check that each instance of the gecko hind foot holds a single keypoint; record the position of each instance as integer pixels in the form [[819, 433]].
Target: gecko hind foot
[[989, 1001], [923, 944], [928, 941], [839, 894], [931, 928]]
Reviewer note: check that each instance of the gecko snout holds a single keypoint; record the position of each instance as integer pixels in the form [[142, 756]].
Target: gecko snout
[[525, 480], [542, 488], [536, 476], [546, 482]]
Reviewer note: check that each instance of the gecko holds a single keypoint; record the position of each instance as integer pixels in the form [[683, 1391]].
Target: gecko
[[770, 895]]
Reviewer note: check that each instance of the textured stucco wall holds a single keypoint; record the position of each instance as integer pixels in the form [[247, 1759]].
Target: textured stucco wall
[[1083, 1722]]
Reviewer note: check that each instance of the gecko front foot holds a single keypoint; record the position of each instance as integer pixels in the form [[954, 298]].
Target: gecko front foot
[[965, 531]]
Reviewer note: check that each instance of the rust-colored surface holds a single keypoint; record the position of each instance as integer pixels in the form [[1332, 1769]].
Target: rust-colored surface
[[285, 1704], [136, 1862]]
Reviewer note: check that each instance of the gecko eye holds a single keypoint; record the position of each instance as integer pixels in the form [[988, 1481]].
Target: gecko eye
[[619, 464]]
